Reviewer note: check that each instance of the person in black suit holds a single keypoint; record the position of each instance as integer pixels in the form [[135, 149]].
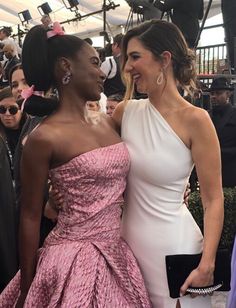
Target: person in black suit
[[224, 119], [12, 60], [185, 14]]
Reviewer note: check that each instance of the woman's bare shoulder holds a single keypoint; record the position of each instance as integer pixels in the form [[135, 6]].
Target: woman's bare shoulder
[[195, 115], [118, 113], [41, 136]]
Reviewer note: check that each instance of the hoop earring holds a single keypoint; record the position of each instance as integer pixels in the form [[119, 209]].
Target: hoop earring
[[66, 78], [160, 78]]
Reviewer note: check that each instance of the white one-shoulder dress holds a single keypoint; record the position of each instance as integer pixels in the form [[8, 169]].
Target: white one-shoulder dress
[[155, 221]]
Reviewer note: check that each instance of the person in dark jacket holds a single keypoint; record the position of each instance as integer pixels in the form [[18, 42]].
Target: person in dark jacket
[[8, 242], [185, 14], [12, 60], [18, 84], [228, 11], [224, 119]]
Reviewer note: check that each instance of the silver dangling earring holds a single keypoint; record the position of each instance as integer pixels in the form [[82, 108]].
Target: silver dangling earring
[[160, 78], [66, 78]]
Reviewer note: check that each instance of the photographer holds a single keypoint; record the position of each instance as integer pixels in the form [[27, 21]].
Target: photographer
[[185, 14], [228, 11]]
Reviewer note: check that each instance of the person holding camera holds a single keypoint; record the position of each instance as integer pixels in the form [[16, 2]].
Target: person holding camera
[[228, 8], [185, 14]]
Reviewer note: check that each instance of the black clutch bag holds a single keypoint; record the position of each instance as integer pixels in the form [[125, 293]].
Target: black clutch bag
[[178, 267]]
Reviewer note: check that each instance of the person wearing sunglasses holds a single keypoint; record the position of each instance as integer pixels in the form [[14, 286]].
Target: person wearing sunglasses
[[10, 118], [11, 109], [8, 242], [32, 120]]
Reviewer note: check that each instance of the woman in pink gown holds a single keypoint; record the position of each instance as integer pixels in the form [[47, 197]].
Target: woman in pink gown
[[83, 262]]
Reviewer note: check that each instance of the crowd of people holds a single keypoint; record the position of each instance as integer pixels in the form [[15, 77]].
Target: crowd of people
[[92, 199]]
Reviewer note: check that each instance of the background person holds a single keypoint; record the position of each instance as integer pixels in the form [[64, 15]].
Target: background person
[[11, 119], [224, 119], [5, 38], [231, 303], [46, 21], [113, 83], [11, 61], [185, 14], [8, 225], [93, 106], [112, 102], [18, 84], [228, 8]]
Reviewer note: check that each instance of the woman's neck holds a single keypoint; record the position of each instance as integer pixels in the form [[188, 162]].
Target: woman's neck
[[165, 97]]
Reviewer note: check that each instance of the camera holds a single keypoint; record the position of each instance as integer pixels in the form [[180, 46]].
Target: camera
[[155, 1]]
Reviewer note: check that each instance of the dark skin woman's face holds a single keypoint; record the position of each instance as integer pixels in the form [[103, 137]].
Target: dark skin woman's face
[[87, 75]]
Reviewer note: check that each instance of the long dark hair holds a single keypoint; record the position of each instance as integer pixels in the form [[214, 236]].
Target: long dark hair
[[39, 57]]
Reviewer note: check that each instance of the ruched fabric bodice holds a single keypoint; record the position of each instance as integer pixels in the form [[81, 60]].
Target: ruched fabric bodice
[[93, 195], [156, 222], [84, 262]]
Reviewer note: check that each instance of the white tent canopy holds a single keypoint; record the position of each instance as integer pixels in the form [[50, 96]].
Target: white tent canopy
[[89, 26]]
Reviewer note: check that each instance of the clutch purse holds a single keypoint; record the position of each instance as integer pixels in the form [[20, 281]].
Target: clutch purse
[[178, 267]]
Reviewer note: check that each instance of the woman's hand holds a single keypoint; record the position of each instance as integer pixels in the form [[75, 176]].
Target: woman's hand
[[55, 200], [187, 194], [199, 277], [50, 212], [54, 204]]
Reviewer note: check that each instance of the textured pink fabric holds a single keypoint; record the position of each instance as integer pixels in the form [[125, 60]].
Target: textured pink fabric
[[84, 262]]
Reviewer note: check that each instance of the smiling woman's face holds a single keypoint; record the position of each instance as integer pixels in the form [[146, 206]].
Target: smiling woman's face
[[142, 66], [18, 84]]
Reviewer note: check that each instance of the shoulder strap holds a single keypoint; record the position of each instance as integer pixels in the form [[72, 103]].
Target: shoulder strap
[[111, 66]]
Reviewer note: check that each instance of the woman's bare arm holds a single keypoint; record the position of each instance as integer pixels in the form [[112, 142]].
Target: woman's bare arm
[[206, 155], [118, 114], [35, 162]]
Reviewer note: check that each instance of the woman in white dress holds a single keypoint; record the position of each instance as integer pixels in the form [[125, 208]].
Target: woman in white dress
[[166, 136]]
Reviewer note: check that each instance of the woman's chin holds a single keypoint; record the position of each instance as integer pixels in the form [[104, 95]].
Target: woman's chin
[[141, 90]]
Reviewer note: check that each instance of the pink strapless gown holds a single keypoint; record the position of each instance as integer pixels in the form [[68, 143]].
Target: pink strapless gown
[[84, 262]]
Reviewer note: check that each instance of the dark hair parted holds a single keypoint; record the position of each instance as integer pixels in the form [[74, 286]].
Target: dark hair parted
[[40, 54], [158, 36], [16, 67], [118, 39], [39, 58]]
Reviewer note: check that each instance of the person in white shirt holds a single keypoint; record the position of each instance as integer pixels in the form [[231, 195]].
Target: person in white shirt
[[111, 68], [5, 38]]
